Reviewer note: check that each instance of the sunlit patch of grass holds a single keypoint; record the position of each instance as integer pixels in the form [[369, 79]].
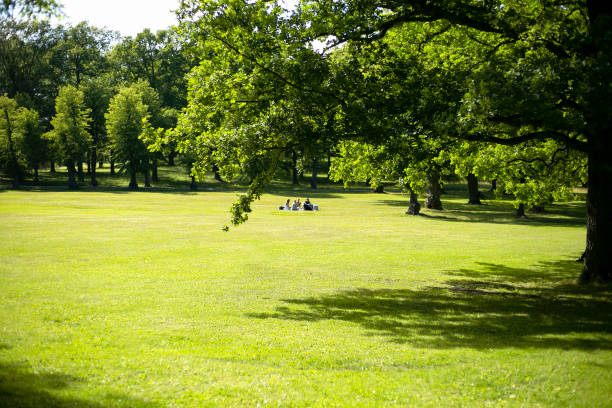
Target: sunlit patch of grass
[[138, 299]]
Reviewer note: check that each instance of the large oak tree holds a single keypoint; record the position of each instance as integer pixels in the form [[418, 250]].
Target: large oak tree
[[495, 72]]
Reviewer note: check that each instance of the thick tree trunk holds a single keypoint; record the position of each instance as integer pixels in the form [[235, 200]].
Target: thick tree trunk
[[154, 175], [51, 166], [473, 193], [80, 171], [598, 254], [72, 184], [193, 185], [294, 170], [94, 181], [133, 184], [313, 179], [112, 167], [414, 208], [433, 196]]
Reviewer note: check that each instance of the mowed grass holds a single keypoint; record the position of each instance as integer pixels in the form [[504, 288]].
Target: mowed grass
[[111, 298]]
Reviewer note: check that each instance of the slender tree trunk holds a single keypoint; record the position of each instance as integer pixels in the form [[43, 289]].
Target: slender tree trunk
[[313, 180], [146, 174], [112, 167], [154, 175], [101, 164], [473, 193], [434, 190], [216, 173], [51, 166], [294, 170], [328, 166], [520, 211], [13, 165], [72, 184], [80, 171], [493, 185], [133, 184], [94, 181], [171, 157], [89, 164], [36, 180], [414, 208], [193, 185]]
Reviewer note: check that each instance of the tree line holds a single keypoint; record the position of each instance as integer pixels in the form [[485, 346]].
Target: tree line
[[78, 95]]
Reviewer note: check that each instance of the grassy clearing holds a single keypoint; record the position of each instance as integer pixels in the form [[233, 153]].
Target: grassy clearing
[[112, 298]]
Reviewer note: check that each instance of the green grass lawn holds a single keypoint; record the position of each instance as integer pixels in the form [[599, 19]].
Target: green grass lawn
[[111, 298]]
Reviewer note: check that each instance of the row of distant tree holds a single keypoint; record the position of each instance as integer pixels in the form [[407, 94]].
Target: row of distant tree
[[63, 86], [69, 97]]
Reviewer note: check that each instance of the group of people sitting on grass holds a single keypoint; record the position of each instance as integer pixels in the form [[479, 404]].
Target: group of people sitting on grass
[[298, 206]]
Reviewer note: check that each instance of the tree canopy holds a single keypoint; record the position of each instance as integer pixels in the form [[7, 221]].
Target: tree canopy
[[534, 74]]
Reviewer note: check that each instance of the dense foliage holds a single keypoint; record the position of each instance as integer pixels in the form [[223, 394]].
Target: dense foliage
[[534, 74]]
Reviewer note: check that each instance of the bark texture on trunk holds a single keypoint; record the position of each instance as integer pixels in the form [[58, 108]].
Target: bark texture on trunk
[[414, 208], [597, 265], [433, 196], [598, 254], [473, 193]]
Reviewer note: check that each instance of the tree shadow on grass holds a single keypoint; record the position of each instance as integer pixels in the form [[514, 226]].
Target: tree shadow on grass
[[22, 388], [489, 309], [562, 214]]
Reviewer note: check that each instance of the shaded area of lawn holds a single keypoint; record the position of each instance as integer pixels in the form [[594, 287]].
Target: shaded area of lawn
[[500, 212], [20, 387], [494, 306]]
